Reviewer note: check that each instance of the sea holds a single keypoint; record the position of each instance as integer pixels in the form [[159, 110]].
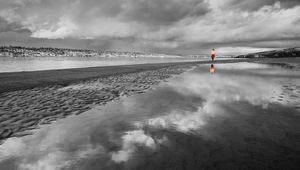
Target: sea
[[21, 64]]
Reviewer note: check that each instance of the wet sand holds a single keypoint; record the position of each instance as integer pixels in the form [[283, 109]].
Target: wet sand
[[30, 99], [26, 109], [241, 116]]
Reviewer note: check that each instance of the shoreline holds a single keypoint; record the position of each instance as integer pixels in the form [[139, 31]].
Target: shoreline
[[13, 81]]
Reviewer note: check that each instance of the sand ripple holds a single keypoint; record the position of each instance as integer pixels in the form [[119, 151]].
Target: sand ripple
[[25, 110]]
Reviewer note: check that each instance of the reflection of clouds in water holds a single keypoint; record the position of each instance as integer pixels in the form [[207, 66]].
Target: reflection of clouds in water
[[11, 147], [51, 161], [54, 147], [230, 88], [44, 156], [183, 121], [129, 141], [217, 92], [242, 66], [186, 104]]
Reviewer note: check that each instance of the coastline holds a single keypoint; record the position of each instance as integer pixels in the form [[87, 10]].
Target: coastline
[[26, 80], [30, 99]]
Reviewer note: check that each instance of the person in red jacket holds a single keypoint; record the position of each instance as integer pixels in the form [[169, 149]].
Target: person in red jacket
[[213, 54]]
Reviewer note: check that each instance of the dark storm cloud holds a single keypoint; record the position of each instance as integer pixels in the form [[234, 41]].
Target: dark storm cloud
[[254, 5], [162, 11], [12, 27], [21, 39]]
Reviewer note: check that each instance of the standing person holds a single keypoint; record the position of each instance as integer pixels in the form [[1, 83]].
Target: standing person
[[213, 54]]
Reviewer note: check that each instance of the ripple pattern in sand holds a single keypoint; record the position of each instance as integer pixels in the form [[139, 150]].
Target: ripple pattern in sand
[[24, 110], [289, 95]]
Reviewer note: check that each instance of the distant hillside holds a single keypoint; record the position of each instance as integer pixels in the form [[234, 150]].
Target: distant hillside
[[18, 51], [289, 52]]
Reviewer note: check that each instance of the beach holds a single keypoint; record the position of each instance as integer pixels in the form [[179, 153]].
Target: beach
[[29, 99], [149, 85], [133, 116]]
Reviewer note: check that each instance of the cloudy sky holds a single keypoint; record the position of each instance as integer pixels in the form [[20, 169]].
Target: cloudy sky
[[161, 26]]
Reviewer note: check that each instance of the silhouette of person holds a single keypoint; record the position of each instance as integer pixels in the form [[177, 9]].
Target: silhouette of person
[[213, 54], [212, 69]]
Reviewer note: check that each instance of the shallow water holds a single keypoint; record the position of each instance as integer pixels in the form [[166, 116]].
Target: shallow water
[[52, 63], [222, 116]]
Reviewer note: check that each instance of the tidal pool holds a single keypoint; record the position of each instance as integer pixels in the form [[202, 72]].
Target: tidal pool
[[221, 116]]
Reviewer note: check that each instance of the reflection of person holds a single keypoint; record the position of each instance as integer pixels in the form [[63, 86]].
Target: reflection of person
[[213, 54], [212, 69]]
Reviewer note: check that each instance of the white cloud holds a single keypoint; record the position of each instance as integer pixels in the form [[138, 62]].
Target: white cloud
[[270, 22], [51, 147], [64, 28]]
